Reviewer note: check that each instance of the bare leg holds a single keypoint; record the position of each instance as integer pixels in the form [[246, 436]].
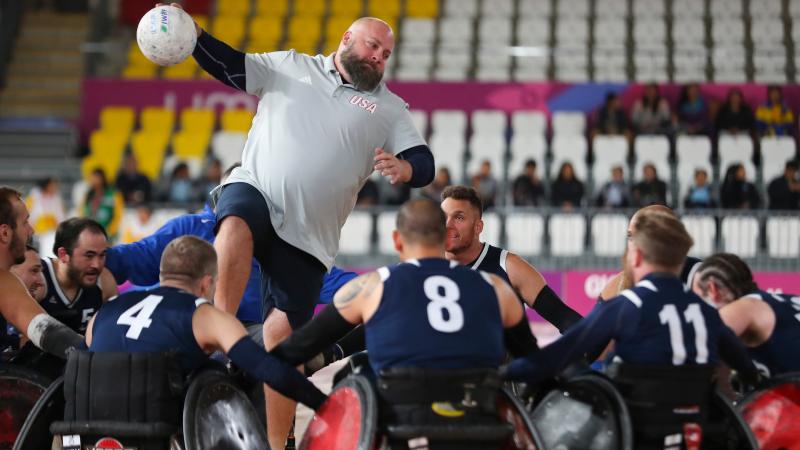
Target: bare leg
[[280, 410], [234, 246]]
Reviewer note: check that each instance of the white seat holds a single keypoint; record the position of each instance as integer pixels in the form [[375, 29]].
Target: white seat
[[420, 119], [569, 123], [523, 148], [688, 9], [195, 166], [455, 30], [647, 9], [572, 9], [497, 8], [655, 150], [738, 148], [356, 233], [610, 31], [567, 234], [487, 147], [610, 9], [491, 228], [775, 151], [649, 31], [572, 32], [491, 121], [727, 31], [490, 56], [783, 237], [609, 234], [448, 150], [533, 72], [528, 123], [454, 56], [492, 74], [609, 151], [412, 73], [533, 31], [572, 149], [725, 9], [524, 233], [495, 30], [418, 30], [685, 176], [703, 231], [688, 31], [449, 120], [535, 8], [693, 149], [450, 74], [767, 9], [386, 224], [460, 8], [416, 55], [766, 31], [227, 147], [740, 235]]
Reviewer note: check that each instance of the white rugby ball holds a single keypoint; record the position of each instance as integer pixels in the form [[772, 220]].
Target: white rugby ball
[[166, 35]]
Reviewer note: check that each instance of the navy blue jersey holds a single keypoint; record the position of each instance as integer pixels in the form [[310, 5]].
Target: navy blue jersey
[[435, 314], [152, 321], [74, 313], [781, 352], [492, 260]]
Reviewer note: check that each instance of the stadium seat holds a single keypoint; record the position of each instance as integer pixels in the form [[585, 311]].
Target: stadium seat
[[783, 237], [487, 147], [569, 9], [732, 149], [229, 29], [383, 8], [227, 147], [356, 235], [142, 72], [569, 123], [524, 147], [608, 151], [197, 120], [185, 70], [571, 149], [418, 31], [533, 31], [725, 9], [117, 119], [609, 234], [683, 9], [495, 31], [567, 234], [449, 121], [497, 8], [346, 8], [489, 121], [524, 232], [190, 143], [155, 118], [572, 32], [310, 7], [740, 235], [532, 68], [647, 32], [449, 150], [304, 31], [106, 148], [386, 224], [135, 56], [460, 8], [456, 31], [693, 149], [606, 9], [236, 120], [413, 73], [195, 166], [420, 119], [535, 8], [149, 147], [421, 8], [266, 30], [335, 27], [492, 226], [528, 123], [647, 9], [610, 31], [703, 229], [655, 150], [775, 151], [233, 7]]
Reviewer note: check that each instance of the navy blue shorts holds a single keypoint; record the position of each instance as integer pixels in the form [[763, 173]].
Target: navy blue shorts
[[291, 279]]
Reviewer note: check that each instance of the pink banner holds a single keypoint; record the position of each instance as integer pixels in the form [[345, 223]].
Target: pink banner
[[779, 282], [581, 289]]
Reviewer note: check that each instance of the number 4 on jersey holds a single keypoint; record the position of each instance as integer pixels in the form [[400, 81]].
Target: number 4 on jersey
[[137, 317]]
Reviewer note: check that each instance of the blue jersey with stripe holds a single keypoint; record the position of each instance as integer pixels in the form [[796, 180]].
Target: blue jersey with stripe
[[493, 260], [72, 312], [435, 313], [780, 353], [153, 321]]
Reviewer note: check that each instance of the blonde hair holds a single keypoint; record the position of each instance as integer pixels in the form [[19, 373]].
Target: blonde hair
[[661, 237], [188, 258]]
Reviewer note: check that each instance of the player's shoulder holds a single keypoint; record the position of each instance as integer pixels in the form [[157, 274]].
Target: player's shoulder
[[387, 96]]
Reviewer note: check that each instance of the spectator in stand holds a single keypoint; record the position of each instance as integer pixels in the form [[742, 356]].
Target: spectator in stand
[[527, 189], [611, 118], [736, 191], [784, 191], [45, 206], [651, 113], [699, 195], [180, 188], [393, 194], [434, 190], [567, 190], [735, 116], [140, 226], [615, 193], [368, 195], [134, 186], [692, 111], [651, 190], [210, 180], [103, 203], [774, 118], [485, 183]]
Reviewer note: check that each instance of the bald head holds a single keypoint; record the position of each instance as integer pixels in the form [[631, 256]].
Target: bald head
[[422, 221], [371, 25]]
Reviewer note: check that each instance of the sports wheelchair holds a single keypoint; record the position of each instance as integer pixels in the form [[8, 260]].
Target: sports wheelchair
[[773, 412], [143, 402]]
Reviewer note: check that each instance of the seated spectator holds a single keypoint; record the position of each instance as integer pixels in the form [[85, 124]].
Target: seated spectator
[[141, 226], [651, 114], [567, 190], [784, 191], [485, 183], [735, 115], [527, 189], [615, 193], [180, 188], [210, 180], [368, 195], [651, 190], [45, 206], [434, 190], [692, 111], [736, 191], [611, 118], [134, 186], [699, 195], [103, 203], [774, 118], [393, 194]]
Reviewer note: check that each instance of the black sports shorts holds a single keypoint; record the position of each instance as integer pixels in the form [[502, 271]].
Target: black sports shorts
[[291, 278]]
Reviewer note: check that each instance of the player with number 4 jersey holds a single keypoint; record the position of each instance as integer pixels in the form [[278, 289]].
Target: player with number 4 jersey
[[655, 323]]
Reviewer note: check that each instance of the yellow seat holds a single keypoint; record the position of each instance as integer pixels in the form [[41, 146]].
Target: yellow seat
[[149, 147], [236, 120], [383, 8], [201, 20], [106, 148], [136, 57], [190, 144], [346, 8], [307, 47], [229, 29], [310, 7], [132, 72], [422, 8], [330, 47], [118, 119], [157, 119], [233, 7], [265, 29], [275, 8], [336, 26], [197, 120], [262, 47], [181, 71], [304, 28]]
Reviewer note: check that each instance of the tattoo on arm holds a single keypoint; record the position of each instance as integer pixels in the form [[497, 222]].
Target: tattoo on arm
[[361, 286]]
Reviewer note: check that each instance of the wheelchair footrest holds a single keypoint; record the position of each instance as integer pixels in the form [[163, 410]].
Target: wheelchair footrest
[[451, 432], [120, 429]]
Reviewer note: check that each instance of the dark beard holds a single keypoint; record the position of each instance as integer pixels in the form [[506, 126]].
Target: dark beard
[[364, 76], [76, 276], [17, 249]]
